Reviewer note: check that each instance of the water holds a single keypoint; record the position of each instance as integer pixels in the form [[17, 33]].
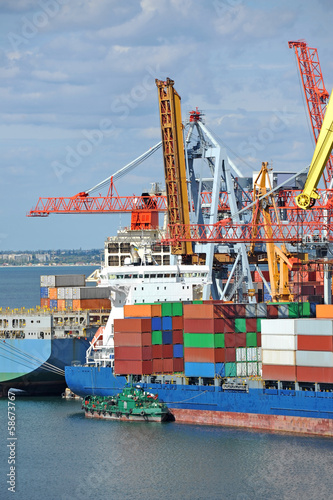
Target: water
[[61, 455]]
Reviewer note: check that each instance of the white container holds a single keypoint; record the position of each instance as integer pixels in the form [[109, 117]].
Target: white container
[[60, 293], [261, 310], [251, 354], [314, 326], [322, 359], [278, 326], [260, 369], [283, 311], [279, 342], [76, 293], [68, 293], [250, 310], [252, 369], [278, 357], [259, 353], [239, 354]]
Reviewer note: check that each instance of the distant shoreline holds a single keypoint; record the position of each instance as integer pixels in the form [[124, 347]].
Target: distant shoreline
[[50, 266]]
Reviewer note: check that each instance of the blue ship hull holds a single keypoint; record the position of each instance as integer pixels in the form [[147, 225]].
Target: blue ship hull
[[35, 365], [300, 411]]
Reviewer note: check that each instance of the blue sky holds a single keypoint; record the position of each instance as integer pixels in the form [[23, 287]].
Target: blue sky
[[79, 75]]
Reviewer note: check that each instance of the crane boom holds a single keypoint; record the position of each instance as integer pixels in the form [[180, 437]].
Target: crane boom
[[174, 163], [321, 154]]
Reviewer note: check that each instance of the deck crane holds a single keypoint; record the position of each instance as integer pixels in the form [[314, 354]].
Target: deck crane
[[316, 95], [277, 258], [322, 152]]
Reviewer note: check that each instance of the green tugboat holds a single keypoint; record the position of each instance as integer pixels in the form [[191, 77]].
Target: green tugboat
[[132, 404]]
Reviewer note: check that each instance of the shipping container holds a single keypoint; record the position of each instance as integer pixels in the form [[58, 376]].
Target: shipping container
[[92, 292], [279, 326], [157, 351], [241, 355], [206, 370], [177, 309], [69, 293], [198, 311], [178, 364], [324, 310], [240, 339], [167, 351], [250, 310], [61, 293], [261, 310], [279, 357], [132, 353], [177, 323], [279, 342], [166, 323], [229, 340], [156, 338], [229, 325], [251, 339], [61, 304], [69, 304], [45, 302], [204, 355], [240, 324], [321, 359], [166, 308], [314, 326], [156, 323], [167, 337], [92, 304], [177, 337], [168, 364], [258, 339], [142, 310], [279, 372], [199, 325], [230, 370], [230, 355], [315, 343], [69, 280], [178, 351], [53, 293], [132, 325], [314, 374], [157, 365], [44, 292], [132, 339], [133, 367], [53, 304]]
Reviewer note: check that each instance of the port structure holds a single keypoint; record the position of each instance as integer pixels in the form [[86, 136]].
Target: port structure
[[316, 95]]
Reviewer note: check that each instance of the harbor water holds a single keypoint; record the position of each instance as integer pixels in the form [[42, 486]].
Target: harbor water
[[61, 455]]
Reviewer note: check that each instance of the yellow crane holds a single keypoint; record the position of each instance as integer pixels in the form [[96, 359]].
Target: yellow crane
[[324, 146], [277, 258]]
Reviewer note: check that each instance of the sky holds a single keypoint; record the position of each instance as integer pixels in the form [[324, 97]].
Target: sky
[[79, 100]]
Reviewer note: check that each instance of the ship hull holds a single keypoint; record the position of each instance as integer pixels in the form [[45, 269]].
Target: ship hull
[[304, 412], [34, 365]]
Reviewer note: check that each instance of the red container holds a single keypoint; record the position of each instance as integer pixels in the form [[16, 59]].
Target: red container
[[178, 364], [157, 352], [167, 365], [177, 323], [229, 325], [177, 336], [229, 340], [93, 304], [132, 339], [272, 311], [198, 311], [219, 355], [133, 353], [167, 351], [132, 367], [157, 365], [132, 325], [240, 310], [258, 339], [198, 325], [279, 372], [45, 302], [204, 355], [228, 310], [251, 324], [315, 343], [314, 374], [230, 355], [240, 339]]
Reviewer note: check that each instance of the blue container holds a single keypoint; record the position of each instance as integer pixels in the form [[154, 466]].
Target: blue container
[[167, 323], [156, 324], [53, 304], [166, 337], [44, 292], [267, 297], [220, 369], [178, 351], [200, 370]]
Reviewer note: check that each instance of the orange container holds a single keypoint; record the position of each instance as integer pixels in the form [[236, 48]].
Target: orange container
[[167, 365], [132, 325], [142, 310], [132, 339], [157, 365], [45, 302], [204, 355], [315, 343], [198, 311], [53, 293], [61, 304], [131, 367], [95, 304], [75, 304], [135, 353], [324, 311], [177, 323]]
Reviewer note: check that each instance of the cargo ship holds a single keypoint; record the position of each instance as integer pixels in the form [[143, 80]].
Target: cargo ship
[[255, 365], [37, 344]]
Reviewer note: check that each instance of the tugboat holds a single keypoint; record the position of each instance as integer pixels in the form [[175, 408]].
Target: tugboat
[[132, 404]]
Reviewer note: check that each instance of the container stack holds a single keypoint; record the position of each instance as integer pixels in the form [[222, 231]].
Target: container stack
[[68, 292], [133, 347], [299, 349]]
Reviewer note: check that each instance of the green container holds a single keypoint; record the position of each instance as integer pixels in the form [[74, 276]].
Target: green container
[[166, 308], [305, 310], [197, 302], [230, 370], [219, 340], [295, 309], [199, 340], [259, 324], [240, 325], [177, 309], [156, 337], [251, 339]]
